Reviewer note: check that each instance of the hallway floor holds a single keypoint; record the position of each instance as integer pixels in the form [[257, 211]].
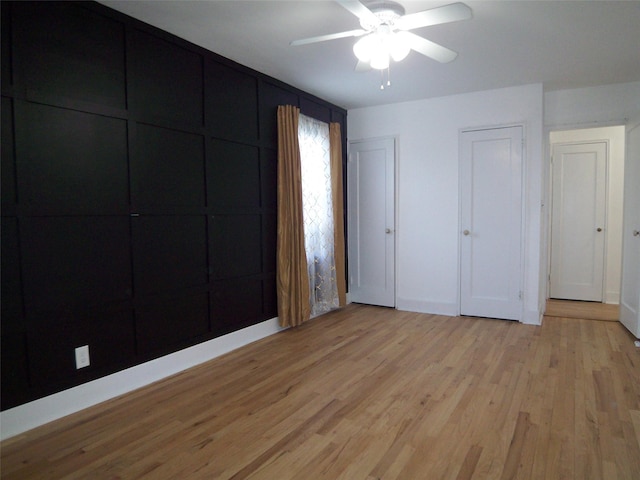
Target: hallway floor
[[584, 310]]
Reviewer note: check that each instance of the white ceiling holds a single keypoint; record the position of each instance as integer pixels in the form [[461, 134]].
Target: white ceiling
[[561, 44]]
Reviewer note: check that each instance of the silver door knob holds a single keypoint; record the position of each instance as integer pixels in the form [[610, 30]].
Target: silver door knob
[[466, 232], [387, 230], [636, 233]]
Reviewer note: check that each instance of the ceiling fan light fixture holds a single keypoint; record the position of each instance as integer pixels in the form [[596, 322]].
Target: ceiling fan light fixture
[[365, 48], [380, 60], [399, 46], [376, 48]]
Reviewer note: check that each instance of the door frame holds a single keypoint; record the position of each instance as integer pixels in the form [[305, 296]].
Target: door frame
[[523, 212], [396, 162], [547, 195]]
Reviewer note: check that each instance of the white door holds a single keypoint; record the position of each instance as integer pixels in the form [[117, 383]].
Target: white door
[[578, 221], [371, 222], [491, 223], [630, 293]]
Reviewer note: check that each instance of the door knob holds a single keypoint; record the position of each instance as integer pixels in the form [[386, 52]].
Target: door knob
[[598, 229], [387, 230], [636, 233], [466, 232]]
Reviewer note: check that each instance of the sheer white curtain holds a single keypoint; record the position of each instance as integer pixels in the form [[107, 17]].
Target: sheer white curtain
[[313, 136]]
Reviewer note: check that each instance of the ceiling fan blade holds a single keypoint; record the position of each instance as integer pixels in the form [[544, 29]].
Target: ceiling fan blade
[[430, 49], [331, 36], [360, 11], [435, 16]]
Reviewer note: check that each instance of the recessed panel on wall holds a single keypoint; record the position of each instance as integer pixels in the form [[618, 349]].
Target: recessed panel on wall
[[72, 261], [231, 103], [169, 252], [269, 178], [171, 321], [270, 97], [8, 173], [236, 304], [71, 162], [166, 80], [15, 374], [66, 51], [167, 168], [11, 295], [233, 175], [108, 332], [236, 245], [315, 110], [269, 241], [269, 297], [5, 44]]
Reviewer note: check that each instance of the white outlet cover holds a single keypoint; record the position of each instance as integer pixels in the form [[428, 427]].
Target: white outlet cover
[[82, 357]]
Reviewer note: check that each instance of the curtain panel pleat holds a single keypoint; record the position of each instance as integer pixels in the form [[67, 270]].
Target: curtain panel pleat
[[335, 139], [292, 277]]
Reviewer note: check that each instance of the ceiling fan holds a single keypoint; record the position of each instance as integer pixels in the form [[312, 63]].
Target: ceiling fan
[[385, 32]]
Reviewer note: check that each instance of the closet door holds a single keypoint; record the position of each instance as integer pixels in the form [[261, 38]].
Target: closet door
[[491, 223], [371, 221]]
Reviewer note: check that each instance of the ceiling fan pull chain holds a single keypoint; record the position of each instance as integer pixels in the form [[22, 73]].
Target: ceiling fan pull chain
[[382, 82]]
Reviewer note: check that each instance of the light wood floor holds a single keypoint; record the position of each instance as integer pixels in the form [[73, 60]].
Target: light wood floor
[[370, 393], [585, 310]]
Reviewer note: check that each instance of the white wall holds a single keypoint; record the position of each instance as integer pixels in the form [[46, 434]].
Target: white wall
[[427, 193], [593, 106], [615, 136]]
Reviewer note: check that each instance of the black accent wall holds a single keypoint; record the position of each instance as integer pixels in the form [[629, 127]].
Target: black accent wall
[[138, 193]]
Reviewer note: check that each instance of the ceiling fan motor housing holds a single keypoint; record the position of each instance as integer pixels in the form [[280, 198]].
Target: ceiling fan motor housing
[[387, 13]]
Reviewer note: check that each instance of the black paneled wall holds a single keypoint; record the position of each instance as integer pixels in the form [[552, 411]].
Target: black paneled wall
[[138, 194]]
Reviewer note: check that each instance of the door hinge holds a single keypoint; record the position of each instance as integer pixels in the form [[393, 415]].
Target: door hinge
[[520, 295]]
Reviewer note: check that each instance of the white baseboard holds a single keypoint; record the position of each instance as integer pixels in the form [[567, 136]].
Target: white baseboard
[[421, 306], [532, 317], [612, 298], [19, 419]]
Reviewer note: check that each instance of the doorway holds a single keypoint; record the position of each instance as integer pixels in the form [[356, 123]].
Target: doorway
[[587, 176]]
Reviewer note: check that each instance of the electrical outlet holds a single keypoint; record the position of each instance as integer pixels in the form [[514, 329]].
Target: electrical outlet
[[82, 357]]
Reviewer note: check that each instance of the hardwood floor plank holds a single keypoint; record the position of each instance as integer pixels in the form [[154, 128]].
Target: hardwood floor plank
[[469, 464], [370, 393]]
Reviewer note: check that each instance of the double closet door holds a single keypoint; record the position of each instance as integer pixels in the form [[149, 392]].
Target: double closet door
[[491, 222]]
